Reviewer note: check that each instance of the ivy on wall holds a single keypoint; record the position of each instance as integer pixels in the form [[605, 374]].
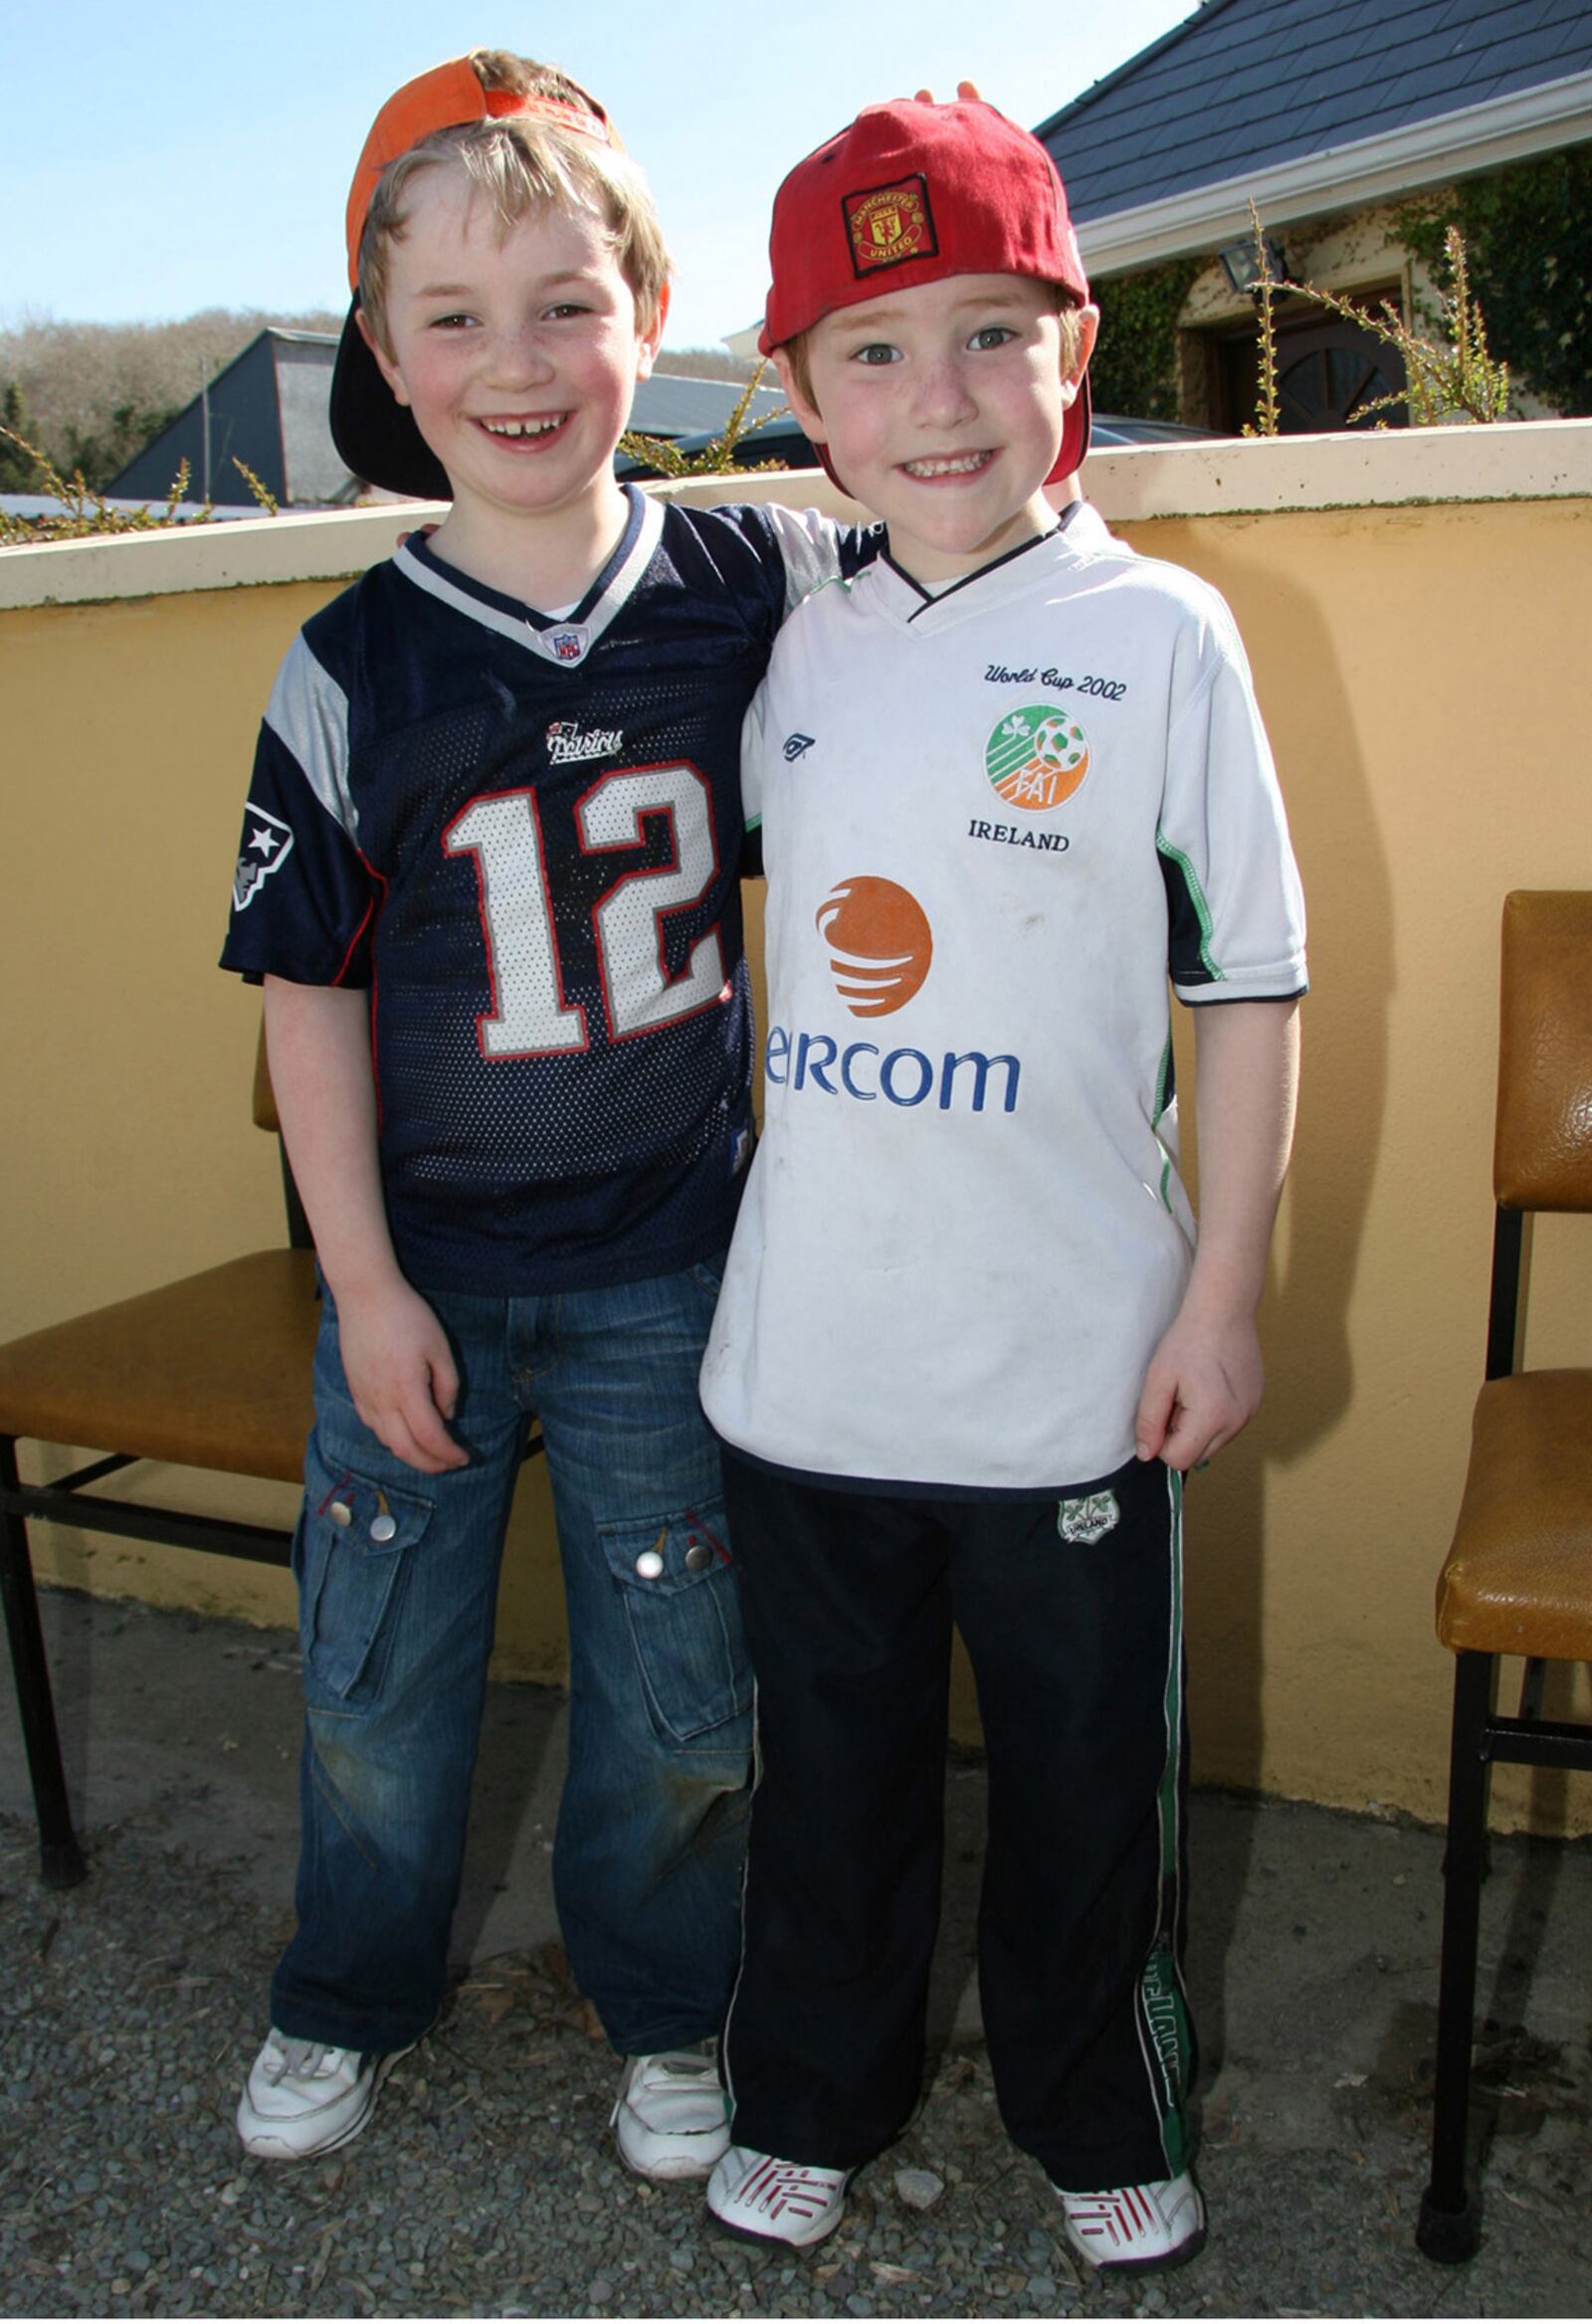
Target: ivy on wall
[[1134, 370], [1528, 238]]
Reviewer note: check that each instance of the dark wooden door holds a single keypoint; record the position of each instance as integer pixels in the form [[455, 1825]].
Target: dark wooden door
[[1329, 372]]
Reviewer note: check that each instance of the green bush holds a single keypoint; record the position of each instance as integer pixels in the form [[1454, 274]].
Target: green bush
[[1134, 370], [18, 466], [1528, 236]]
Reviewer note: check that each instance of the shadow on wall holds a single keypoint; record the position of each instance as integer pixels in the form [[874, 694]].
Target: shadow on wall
[[1305, 1312]]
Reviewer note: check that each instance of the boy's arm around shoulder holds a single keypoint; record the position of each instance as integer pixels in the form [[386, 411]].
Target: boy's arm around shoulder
[[816, 548], [399, 1365], [1204, 1379]]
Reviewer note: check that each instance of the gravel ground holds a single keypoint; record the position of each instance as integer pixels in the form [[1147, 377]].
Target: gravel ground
[[486, 2186]]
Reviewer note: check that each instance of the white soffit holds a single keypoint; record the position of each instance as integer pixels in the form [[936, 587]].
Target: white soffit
[[1344, 177]]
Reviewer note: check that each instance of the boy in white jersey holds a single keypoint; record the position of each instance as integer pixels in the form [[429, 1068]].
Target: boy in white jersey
[[1009, 780], [489, 879]]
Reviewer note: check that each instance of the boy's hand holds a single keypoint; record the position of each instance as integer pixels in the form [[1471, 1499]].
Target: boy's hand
[[1203, 1386], [402, 1375]]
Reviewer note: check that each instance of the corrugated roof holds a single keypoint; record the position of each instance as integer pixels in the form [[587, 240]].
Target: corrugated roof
[[1247, 84]]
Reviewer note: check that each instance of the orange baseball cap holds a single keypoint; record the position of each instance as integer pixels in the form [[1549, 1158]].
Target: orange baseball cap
[[443, 99], [375, 435]]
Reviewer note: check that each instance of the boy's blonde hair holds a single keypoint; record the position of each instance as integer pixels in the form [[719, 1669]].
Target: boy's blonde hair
[[523, 163]]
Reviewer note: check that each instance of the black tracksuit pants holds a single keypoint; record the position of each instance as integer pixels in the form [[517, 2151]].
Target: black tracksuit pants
[[1071, 1613]]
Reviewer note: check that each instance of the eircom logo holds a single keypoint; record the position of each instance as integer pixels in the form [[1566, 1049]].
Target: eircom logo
[[880, 946]]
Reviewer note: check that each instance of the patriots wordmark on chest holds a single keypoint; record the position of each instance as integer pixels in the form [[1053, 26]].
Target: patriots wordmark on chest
[[568, 743]]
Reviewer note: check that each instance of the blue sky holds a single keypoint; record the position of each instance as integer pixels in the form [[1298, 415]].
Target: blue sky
[[163, 158]]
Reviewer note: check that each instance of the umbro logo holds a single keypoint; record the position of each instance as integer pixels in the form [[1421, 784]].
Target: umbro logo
[[795, 744]]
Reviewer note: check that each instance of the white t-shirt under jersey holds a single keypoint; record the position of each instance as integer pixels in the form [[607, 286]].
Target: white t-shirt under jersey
[[994, 820]]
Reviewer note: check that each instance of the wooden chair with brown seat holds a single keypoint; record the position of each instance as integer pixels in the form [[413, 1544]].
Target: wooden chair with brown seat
[[1518, 1579], [212, 1372]]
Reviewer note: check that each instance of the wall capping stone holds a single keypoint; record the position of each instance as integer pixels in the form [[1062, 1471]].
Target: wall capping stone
[[1532, 460]]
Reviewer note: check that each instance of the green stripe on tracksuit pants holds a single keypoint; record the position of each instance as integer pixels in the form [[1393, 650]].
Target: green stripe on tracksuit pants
[[1076, 1647]]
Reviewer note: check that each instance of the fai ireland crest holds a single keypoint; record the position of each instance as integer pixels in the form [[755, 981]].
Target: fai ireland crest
[[1037, 757]]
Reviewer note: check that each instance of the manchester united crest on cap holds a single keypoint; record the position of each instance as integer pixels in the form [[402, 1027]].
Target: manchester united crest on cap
[[889, 224]]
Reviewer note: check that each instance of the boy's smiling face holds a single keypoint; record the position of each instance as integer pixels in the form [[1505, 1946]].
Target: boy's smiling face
[[941, 408], [517, 352]]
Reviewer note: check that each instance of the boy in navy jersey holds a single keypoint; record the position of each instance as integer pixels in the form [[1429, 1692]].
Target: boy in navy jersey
[[1011, 779], [488, 878]]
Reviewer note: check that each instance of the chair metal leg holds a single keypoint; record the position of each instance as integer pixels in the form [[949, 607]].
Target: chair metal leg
[[60, 1856], [1533, 1686], [1450, 2222]]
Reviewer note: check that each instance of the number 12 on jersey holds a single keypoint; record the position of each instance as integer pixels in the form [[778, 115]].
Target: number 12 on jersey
[[530, 1016]]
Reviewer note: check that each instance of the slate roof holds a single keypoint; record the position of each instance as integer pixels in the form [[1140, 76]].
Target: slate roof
[[1248, 84], [671, 404], [269, 406]]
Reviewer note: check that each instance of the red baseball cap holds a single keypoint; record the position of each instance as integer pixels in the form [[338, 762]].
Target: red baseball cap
[[376, 435], [911, 193]]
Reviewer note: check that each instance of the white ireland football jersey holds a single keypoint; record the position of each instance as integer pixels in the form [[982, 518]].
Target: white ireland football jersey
[[995, 821]]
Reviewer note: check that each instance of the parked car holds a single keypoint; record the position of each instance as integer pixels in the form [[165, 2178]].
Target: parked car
[[780, 441]]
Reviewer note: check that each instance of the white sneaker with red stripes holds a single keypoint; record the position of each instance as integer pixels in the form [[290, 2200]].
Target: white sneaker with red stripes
[[1128, 2231], [770, 2202]]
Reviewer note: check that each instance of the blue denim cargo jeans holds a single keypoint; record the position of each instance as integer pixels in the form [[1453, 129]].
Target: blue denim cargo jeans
[[397, 1578]]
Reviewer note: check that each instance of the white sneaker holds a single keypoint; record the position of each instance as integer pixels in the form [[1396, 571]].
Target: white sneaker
[[304, 2098], [770, 2202], [669, 2120], [1132, 2230]]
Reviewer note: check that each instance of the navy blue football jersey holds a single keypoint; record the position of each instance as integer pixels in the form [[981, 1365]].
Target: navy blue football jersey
[[524, 835]]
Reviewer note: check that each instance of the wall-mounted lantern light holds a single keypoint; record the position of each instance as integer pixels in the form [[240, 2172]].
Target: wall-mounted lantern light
[[1241, 264]]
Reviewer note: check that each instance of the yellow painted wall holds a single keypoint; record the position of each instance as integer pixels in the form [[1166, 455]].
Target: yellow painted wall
[[1422, 671], [129, 732], [1422, 675]]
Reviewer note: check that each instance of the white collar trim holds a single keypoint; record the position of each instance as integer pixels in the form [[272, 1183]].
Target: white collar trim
[[565, 644]]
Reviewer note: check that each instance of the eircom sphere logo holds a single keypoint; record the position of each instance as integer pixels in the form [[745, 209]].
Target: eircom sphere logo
[[879, 944], [1037, 757]]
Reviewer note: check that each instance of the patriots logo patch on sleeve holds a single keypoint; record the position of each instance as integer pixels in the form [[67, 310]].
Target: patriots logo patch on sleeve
[[266, 845]]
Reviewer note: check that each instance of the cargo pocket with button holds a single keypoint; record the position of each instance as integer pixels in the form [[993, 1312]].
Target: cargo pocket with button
[[349, 1555], [677, 1583]]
